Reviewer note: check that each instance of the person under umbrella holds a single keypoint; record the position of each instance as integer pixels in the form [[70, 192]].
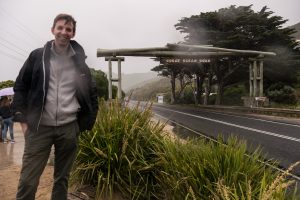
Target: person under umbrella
[[8, 124]]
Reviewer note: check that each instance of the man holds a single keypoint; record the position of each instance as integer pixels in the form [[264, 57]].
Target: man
[[55, 99]]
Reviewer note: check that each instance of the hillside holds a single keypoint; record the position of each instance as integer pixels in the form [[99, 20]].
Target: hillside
[[130, 81], [150, 90]]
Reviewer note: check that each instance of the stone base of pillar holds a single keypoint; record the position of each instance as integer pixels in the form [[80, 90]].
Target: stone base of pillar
[[256, 101]]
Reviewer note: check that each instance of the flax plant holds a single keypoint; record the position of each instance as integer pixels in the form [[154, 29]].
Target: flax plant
[[196, 169], [278, 189], [119, 154]]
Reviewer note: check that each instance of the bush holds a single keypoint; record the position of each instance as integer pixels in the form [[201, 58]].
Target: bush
[[187, 96], [233, 95], [195, 168], [120, 153], [281, 93]]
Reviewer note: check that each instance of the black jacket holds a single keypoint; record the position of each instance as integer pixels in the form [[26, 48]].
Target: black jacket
[[32, 83], [5, 112]]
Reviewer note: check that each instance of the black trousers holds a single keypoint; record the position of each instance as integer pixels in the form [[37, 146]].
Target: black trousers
[[36, 153]]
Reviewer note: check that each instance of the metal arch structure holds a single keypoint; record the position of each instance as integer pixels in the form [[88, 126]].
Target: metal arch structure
[[190, 52]]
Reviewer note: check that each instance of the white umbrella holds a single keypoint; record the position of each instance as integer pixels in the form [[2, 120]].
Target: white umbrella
[[7, 91]]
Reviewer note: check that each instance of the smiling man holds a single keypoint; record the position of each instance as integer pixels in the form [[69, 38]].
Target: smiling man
[[55, 99]]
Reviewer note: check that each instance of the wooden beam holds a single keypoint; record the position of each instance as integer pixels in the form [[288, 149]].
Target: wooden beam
[[114, 58], [116, 52], [101, 53], [201, 47]]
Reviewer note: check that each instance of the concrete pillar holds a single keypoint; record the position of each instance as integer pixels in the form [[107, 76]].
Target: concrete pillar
[[119, 80], [109, 79], [250, 79], [261, 76], [255, 78]]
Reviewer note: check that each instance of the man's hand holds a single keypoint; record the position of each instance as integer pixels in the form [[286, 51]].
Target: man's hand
[[24, 127]]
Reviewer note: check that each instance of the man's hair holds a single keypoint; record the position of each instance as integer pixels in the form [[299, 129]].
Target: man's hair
[[66, 17]]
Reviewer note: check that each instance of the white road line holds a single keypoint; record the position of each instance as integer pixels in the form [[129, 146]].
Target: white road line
[[252, 118], [238, 126]]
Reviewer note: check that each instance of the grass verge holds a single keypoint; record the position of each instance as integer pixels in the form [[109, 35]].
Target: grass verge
[[129, 154]]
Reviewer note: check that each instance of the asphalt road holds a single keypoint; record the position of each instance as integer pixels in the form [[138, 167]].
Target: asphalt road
[[279, 138]]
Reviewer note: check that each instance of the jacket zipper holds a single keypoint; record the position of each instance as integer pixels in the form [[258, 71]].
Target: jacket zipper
[[44, 89], [57, 83]]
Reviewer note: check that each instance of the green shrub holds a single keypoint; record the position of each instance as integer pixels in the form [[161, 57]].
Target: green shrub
[[120, 154], [187, 96], [167, 97], [281, 93], [193, 169], [233, 95]]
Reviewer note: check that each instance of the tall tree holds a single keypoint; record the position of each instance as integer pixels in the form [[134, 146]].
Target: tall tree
[[241, 28]]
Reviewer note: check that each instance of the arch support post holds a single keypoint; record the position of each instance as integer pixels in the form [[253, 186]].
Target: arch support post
[[256, 81], [110, 79]]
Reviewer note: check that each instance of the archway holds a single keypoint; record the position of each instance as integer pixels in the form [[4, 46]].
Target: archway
[[180, 53]]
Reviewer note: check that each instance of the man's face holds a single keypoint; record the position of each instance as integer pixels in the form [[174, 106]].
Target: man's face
[[63, 33]]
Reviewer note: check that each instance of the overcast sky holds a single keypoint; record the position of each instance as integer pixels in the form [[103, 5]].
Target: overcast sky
[[108, 24]]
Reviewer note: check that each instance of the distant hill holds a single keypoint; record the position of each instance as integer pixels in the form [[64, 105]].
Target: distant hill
[[297, 28], [149, 90], [143, 83], [130, 81]]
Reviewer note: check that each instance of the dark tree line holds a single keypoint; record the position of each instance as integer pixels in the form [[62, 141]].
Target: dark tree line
[[102, 84], [6, 84], [233, 28]]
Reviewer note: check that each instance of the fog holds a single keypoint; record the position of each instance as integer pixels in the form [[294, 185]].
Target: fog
[[108, 24]]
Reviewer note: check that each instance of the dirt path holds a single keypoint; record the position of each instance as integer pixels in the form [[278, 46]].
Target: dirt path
[[10, 166], [9, 178]]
